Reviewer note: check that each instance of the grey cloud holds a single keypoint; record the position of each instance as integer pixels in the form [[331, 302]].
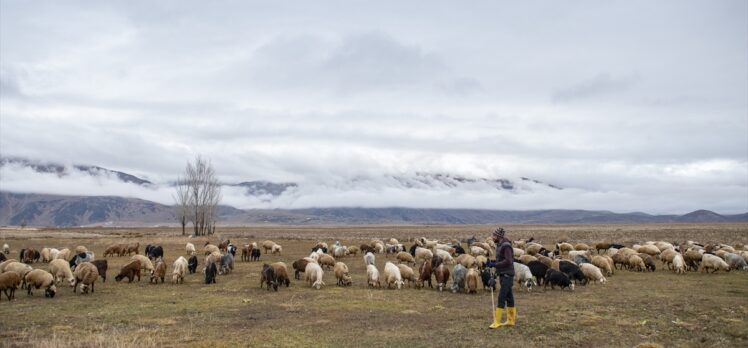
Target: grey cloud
[[599, 85]]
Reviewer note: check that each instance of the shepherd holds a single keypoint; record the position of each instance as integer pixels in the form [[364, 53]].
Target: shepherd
[[505, 270]]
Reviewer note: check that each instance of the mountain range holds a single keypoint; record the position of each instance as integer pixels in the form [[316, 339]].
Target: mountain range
[[36, 209]]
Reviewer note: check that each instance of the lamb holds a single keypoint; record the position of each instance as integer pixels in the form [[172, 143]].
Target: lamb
[[210, 273], [392, 275], [459, 274], [268, 245], [159, 271], [61, 270], [406, 257], [326, 260], [679, 264], [281, 273], [276, 250], [190, 249], [736, 261], [602, 263], [408, 274], [422, 254], [709, 261], [85, 275], [369, 258], [246, 252], [112, 250], [144, 262], [39, 278], [129, 271], [372, 276], [9, 282], [523, 276], [538, 270], [267, 276], [313, 275], [180, 269], [467, 261], [441, 274], [101, 267], [192, 264], [593, 273], [556, 278], [341, 274], [6, 248], [472, 281]]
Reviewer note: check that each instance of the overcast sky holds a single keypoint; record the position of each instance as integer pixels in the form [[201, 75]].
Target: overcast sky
[[629, 105]]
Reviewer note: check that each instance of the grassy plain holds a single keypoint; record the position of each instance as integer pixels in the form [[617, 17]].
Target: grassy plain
[[692, 310]]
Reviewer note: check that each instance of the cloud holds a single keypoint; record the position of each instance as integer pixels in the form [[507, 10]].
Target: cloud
[[600, 85]]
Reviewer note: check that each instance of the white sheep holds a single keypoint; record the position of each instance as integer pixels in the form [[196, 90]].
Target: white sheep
[[523, 276], [63, 254], [446, 257], [145, 263], [61, 270], [277, 249], [736, 261], [407, 274], [6, 248], [313, 275], [53, 254], [369, 258], [423, 254], [41, 279], [679, 264], [180, 269], [5, 263], [190, 249], [481, 261], [21, 268], [709, 261], [593, 273], [392, 275], [604, 264], [466, 260], [475, 251], [372, 276], [46, 255], [86, 275]]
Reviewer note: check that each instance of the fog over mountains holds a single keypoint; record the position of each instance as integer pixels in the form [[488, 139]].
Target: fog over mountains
[[132, 207]]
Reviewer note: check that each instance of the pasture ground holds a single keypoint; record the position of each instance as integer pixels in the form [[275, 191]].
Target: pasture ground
[[692, 310]]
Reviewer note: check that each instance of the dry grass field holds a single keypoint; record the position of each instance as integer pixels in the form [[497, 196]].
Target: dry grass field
[[692, 310]]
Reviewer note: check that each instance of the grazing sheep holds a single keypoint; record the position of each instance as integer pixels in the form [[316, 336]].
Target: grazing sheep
[[192, 264], [582, 247], [313, 275], [267, 276], [87, 256], [572, 271], [159, 271], [649, 250], [459, 274], [679, 264], [255, 254], [709, 261], [179, 270], [406, 257], [326, 260], [53, 254], [339, 251], [592, 273], [488, 279], [39, 278], [341, 274], [21, 268], [2, 257], [556, 278], [525, 259], [603, 263], [353, 250], [636, 263], [467, 261], [6, 249], [424, 274], [145, 262], [190, 249], [372, 276], [563, 248], [227, 264], [523, 276], [667, 256], [365, 248], [281, 273], [29, 255], [46, 255], [298, 267], [112, 250], [436, 261], [445, 256], [538, 270], [392, 275], [63, 254], [441, 274], [693, 259], [9, 282], [101, 266], [602, 246], [276, 250], [736, 261], [408, 274], [246, 252], [129, 271], [423, 254], [268, 245], [518, 252], [210, 273], [61, 270], [475, 251], [210, 249], [649, 262], [154, 252], [5, 263], [472, 281], [133, 248], [572, 255], [80, 249], [369, 258], [85, 275]]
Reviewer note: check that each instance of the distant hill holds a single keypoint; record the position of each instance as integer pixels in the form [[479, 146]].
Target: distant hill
[[51, 210]]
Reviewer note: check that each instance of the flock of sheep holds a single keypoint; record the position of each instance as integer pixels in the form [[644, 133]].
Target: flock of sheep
[[564, 265]]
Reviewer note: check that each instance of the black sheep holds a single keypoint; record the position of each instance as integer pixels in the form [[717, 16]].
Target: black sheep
[[538, 270], [573, 272], [210, 273], [617, 246], [556, 278], [459, 250], [486, 277], [255, 256], [268, 277], [317, 247], [436, 261], [192, 264], [2, 257], [232, 249], [155, 252], [413, 250], [580, 259], [101, 266]]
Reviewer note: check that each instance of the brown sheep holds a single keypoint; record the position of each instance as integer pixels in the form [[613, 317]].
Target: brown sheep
[[133, 248], [471, 280], [281, 273], [129, 271], [441, 273], [267, 245], [525, 259], [86, 275], [299, 266], [341, 274], [581, 247], [353, 250], [405, 257], [692, 259], [114, 249], [326, 260], [602, 246], [636, 263], [9, 282], [408, 274], [159, 271], [101, 266]]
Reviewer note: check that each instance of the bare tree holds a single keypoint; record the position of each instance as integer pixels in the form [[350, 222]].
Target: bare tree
[[203, 193], [182, 202]]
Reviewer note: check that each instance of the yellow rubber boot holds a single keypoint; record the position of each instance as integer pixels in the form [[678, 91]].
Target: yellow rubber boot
[[511, 316], [497, 318]]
